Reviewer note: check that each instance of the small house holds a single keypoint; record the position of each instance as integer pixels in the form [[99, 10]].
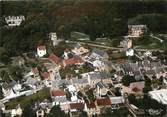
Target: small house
[[41, 50]]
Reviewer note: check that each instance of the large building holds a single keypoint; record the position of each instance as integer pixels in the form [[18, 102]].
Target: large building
[[136, 30], [14, 20]]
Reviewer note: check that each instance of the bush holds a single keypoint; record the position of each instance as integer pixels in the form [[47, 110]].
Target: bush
[[127, 79]]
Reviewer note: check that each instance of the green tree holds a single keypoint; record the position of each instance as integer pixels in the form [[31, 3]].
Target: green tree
[[5, 76], [28, 111], [56, 112], [1, 93], [132, 99], [15, 72], [4, 57], [148, 84], [127, 79]]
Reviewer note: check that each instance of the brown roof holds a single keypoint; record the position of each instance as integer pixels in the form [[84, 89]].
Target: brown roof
[[91, 105], [78, 106], [35, 70], [58, 93], [54, 58], [103, 101], [66, 50], [73, 60], [45, 75], [42, 47]]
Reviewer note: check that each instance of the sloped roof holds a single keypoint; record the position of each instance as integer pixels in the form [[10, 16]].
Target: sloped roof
[[103, 101], [99, 75], [91, 105], [78, 106], [54, 58], [45, 75], [31, 81], [73, 60], [101, 85], [35, 70], [80, 81], [61, 82], [77, 45], [58, 93], [42, 47], [99, 52]]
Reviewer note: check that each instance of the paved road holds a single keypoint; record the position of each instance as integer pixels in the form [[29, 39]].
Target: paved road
[[161, 40], [117, 48]]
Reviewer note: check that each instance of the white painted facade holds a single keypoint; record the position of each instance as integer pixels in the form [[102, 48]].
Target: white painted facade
[[53, 38], [14, 20], [130, 52], [136, 30], [41, 51]]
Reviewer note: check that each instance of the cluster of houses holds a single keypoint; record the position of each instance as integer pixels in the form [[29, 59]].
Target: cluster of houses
[[35, 79], [100, 79], [64, 92]]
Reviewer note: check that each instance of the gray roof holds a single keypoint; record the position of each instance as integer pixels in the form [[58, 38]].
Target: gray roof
[[126, 67], [99, 52], [95, 75], [1, 105], [150, 72], [155, 64], [146, 63], [91, 59], [6, 86], [61, 82], [109, 63], [80, 81], [100, 75], [60, 99], [105, 75], [101, 85], [77, 45], [134, 66], [158, 70], [136, 73], [165, 68], [139, 77], [137, 26], [45, 104], [31, 81]]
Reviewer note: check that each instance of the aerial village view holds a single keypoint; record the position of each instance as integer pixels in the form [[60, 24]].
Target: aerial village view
[[83, 58]]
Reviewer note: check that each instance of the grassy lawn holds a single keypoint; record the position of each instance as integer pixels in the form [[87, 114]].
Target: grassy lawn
[[25, 100], [149, 43], [115, 56]]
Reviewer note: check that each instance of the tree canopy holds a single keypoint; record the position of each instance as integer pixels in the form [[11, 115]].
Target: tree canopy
[[97, 19]]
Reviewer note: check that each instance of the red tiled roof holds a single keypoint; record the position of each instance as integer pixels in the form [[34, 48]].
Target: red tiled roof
[[135, 89], [91, 105], [42, 47], [45, 75], [54, 58], [78, 106], [66, 50], [121, 61], [58, 93], [103, 102], [35, 70], [74, 60]]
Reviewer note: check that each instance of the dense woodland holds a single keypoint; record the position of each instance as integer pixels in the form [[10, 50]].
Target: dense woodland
[[97, 19]]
